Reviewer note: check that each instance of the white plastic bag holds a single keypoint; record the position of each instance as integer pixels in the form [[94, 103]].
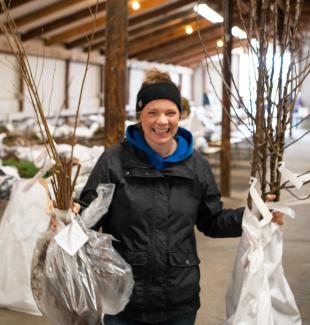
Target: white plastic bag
[[76, 285], [23, 221], [259, 293]]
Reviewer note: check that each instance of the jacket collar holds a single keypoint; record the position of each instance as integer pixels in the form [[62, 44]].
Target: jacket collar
[[135, 164], [183, 150]]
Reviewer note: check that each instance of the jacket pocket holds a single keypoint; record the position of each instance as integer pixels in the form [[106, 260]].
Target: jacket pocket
[[138, 261], [183, 277], [183, 259]]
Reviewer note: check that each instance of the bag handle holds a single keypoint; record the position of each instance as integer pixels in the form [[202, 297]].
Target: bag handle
[[296, 179], [259, 203]]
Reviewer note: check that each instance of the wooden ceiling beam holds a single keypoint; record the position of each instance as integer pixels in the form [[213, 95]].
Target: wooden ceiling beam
[[212, 49], [168, 7], [61, 22], [158, 40], [80, 30], [186, 52], [195, 59], [46, 12], [155, 38], [161, 22], [165, 35], [12, 4], [178, 45], [82, 41], [179, 56], [156, 23], [87, 28]]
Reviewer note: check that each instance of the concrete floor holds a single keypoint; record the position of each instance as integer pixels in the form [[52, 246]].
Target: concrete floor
[[217, 255]]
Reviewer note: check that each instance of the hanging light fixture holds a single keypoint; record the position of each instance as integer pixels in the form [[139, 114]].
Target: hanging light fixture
[[238, 32], [188, 29], [135, 5], [219, 43], [208, 13]]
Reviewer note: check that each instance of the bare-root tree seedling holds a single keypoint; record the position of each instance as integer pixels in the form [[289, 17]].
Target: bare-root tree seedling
[[62, 181], [273, 35]]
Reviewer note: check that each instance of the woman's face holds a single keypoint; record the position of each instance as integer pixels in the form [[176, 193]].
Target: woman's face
[[159, 120]]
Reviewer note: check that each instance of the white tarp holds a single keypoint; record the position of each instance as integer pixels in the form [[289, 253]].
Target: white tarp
[[24, 220], [259, 293]]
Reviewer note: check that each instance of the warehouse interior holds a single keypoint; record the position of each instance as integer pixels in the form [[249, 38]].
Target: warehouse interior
[[88, 59]]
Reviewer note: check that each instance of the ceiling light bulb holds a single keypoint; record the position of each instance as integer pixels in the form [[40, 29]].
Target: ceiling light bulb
[[135, 5], [189, 29], [219, 43]]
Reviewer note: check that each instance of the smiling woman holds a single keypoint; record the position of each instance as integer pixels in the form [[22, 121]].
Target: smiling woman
[[163, 189], [159, 109], [159, 121]]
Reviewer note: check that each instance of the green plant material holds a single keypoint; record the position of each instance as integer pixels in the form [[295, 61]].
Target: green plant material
[[10, 139], [33, 137], [3, 129], [22, 139], [26, 169], [99, 131]]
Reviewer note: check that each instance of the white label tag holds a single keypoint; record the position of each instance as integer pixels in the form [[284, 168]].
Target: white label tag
[[71, 238]]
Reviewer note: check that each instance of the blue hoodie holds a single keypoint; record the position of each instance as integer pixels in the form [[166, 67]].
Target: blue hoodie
[[183, 151]]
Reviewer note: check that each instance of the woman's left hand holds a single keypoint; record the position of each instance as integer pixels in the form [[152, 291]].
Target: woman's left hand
[[278, 217]]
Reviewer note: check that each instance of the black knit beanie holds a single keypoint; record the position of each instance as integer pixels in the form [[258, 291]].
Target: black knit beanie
[[159, 90]]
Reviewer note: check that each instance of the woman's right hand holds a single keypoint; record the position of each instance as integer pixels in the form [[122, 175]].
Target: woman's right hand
[[76, 207]]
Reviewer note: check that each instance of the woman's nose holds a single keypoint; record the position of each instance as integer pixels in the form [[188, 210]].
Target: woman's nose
[[162, 119]]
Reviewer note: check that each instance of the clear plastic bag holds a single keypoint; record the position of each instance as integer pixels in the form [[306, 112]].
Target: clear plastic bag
[[78, 289]]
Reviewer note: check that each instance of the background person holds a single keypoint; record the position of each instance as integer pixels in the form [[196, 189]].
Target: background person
[[186, 109]]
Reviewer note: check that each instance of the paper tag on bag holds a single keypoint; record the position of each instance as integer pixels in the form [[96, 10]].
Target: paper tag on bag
[[71, 238]]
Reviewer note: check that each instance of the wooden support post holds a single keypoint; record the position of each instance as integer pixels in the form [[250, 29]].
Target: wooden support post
[[226, 148], [67, 84], [115, 71]]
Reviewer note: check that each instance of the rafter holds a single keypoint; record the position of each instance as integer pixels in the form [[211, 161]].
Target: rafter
[[46, 12], [162, 35], [86, 28], [61, 22], [179, 44], [73, 32], [12, 4], [147, 26], [148, 10], [150, 42], [184, 51], [198, 53]]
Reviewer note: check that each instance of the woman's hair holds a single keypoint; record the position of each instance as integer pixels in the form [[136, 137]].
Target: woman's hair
[[154, 75], [157, 85]]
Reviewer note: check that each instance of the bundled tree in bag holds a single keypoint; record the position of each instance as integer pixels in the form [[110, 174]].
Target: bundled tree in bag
[[259, 293], [77, 276]]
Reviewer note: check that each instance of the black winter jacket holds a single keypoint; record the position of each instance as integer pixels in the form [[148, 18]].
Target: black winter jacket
[[153, 215]]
